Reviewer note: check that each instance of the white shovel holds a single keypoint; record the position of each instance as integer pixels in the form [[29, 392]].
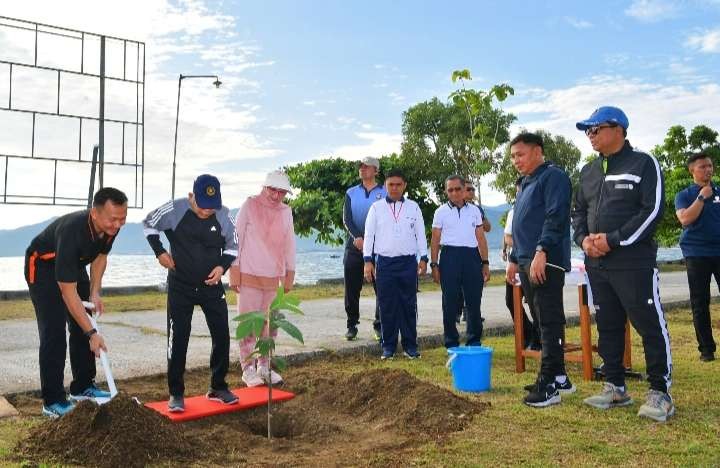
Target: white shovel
[[104, 360]]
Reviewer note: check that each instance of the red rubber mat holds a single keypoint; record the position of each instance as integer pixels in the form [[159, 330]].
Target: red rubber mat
[[200, 407]]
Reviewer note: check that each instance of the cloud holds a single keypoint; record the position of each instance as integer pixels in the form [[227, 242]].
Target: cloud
[[577, 23], [374, 144], [650, 11], [319, 114], [309, 103], [652, 108], [707, 41], [285, 126], [396, 98]]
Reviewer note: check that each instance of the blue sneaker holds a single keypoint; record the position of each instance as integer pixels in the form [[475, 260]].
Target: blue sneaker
[[90, 393], [58, 409], [387, 355], [412, 354]]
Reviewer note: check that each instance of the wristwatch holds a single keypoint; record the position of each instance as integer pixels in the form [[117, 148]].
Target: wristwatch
[[433, 265], [90, 333], [701, 198], [486, 262], [540, 248]]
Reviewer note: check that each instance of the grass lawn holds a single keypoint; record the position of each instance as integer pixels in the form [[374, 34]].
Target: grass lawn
[[571, 433]]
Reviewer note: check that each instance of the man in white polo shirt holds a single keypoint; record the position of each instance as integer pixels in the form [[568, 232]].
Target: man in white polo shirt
[[395, 234], [464, 268]]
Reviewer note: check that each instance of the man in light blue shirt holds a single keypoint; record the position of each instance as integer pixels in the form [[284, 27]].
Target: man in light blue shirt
[[395, 236], [464, 267]]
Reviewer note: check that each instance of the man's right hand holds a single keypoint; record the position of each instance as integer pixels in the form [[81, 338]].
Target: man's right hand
[[706, 191], [166, 261], [589, 248], [358, 242], [436, 274], [97, 342], [510, 272], [369, 272]]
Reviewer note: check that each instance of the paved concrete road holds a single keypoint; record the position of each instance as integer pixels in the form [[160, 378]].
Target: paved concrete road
[[138, 347]]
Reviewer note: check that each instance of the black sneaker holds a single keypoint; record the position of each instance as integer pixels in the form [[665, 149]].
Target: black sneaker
[[545, 394], [176, 404], [225, 397], [387, 355], [531, 387], [707, 357], [412, 354], [351, 333], [565, 388]]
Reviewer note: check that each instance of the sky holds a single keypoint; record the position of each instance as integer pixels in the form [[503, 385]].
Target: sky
[[317, 79]]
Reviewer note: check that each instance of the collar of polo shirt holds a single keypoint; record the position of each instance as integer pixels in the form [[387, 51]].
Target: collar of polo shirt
[[452, 205], [390, 200]]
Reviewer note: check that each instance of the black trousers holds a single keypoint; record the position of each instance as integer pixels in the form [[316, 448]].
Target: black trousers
[[619, 295], [180, 303], [397, 294], [461, 279], [52, 318], [354, 264], [547, 300], [531, 331], [700, 270]]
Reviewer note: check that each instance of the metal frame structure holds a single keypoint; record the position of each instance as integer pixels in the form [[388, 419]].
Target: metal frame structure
[[138, 124]]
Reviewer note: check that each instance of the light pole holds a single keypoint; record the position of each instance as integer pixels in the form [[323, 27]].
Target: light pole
[[182, 77]]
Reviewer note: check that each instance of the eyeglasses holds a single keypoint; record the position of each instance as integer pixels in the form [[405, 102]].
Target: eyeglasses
[[470, 189], [454, 189], [594, 130], [278, 191]]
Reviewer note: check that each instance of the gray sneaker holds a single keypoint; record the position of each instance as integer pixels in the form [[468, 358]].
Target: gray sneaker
[[610, 397], [658, 406], [176, 404]]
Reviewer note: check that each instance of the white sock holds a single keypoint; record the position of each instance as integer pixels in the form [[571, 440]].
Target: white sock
[[561, 379]]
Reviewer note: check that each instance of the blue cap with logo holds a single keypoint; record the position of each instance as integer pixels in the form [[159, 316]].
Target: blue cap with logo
[[606, 114], [206, 189]]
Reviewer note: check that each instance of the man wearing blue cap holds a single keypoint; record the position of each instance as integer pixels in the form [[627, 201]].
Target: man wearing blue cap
[[618, 204], [203, 245]]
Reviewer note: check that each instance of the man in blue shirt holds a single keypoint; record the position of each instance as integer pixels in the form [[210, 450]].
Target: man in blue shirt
[[698, 209], [358, 200], [541, 255]]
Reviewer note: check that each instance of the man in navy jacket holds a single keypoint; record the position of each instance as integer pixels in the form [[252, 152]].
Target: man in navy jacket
[[541, 256]]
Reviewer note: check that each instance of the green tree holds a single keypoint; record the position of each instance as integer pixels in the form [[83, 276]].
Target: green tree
[[672, 156], [557, 149]]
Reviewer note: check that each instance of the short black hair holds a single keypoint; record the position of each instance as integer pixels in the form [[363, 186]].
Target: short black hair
[[115, 196], [696, 156], [529, 139], [455, 177], [519, 181], [395, 173]]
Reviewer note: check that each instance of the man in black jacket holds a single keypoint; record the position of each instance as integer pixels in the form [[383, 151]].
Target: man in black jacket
[[618, 204], [541, 256]]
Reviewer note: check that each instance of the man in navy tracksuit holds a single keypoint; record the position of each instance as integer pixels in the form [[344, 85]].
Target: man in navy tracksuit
[[358, 200], [698, 210], [618, 203], [541, 255], [203, 245]]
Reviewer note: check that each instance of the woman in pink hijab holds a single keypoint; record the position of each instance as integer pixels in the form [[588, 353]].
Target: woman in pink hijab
[[266, 259]]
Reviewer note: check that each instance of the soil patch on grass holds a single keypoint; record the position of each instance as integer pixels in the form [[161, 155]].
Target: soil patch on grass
[[372, 418]]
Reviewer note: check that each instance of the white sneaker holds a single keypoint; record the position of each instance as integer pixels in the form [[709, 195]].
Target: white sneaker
[[275, 378], [251, 377]]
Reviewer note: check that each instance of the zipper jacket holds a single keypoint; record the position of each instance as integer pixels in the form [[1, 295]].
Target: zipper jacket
[[625, 201]]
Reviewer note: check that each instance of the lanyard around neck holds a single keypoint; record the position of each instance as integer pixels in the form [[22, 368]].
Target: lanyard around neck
[[396, 217]]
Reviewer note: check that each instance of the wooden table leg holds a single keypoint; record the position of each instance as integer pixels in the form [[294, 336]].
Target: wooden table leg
[[627, 358], [518, 313], [585, 333]]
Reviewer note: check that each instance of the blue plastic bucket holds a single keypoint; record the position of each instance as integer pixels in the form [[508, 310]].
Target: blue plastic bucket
[[470, 367]]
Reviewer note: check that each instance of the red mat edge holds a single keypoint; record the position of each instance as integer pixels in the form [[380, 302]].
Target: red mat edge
[[215, 407]]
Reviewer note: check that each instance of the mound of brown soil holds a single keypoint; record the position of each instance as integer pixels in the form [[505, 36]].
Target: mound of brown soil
[[398, 399], [120, 433]]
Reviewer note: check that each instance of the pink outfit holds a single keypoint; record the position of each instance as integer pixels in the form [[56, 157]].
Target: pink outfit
[[266, 258]]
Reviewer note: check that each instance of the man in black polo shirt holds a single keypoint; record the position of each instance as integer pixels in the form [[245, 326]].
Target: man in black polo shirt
[[698, 210], [203, 245], [55, 272]]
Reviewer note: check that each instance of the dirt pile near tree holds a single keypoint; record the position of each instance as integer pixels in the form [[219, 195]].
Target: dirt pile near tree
[[401, 401], [120, 433]]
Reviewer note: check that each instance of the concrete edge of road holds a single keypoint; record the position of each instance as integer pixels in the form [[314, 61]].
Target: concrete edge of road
[[366, 348]]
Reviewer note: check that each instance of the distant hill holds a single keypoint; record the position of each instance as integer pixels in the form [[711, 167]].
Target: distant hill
[[13, 242]]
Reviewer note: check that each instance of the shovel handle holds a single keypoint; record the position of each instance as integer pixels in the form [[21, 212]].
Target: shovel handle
[[450, 360]]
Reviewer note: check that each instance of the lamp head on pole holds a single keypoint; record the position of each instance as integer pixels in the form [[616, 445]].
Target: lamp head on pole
[[217, 82]]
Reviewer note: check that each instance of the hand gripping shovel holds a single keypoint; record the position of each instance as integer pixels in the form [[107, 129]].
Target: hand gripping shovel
[[104, 360]]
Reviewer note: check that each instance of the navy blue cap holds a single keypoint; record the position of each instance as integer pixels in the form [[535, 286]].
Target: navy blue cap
[[206, 189], [606, 114]]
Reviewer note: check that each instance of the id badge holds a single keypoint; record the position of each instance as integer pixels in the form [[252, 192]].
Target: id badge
[[397, 230]]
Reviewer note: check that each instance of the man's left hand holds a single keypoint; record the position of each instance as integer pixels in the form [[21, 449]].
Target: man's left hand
[[601, 243], [99, 306], [537, 267], [486, 273], [214, 276], [358, 242], [422, 268]]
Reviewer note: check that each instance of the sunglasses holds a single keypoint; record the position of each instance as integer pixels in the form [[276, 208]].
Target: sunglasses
[[454, 189], [594, 130], [470, 189]]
